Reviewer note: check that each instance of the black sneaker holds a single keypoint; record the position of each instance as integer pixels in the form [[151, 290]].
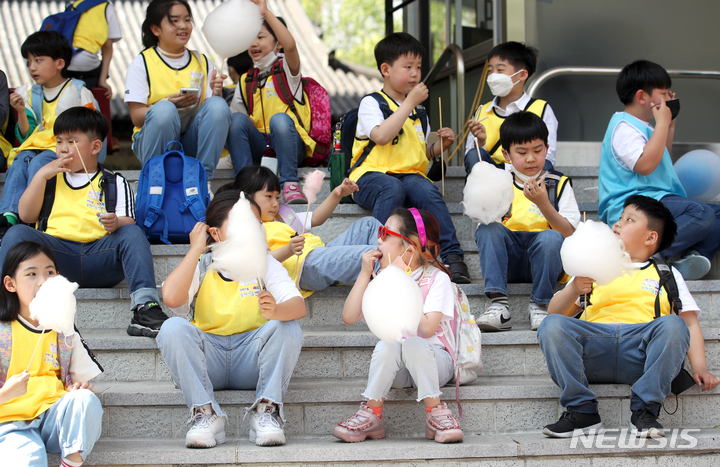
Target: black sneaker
[[458, 269], [146, 320], [644, 424], [574, 424]]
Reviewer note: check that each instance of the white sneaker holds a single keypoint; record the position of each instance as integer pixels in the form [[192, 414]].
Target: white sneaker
[[265, 430], [495, 318], [208, 428], [537, 313]]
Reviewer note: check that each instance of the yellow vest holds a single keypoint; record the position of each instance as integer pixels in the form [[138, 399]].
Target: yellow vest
[[5, 146], [524, 214], [278, 235], [44, 387], [224, 307], [164, 80], [267, 102], [408, 155], [91, 31], [628, 299], [493, 122], [73, 215]]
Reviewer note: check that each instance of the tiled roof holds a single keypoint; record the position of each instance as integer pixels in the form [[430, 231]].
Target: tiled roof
[[20, 18]]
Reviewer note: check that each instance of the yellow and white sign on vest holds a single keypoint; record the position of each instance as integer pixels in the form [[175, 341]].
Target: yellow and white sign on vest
[[278, 235], [74, 211], [224, 307], [525, 215]]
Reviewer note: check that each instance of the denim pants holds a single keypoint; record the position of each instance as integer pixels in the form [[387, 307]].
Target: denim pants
[[340, 261], [204, 139], [246, 144], [201, 363], [416, 363], [517, 256], [472, 158], [647, 356], [698, 226], [17, 178], [382, 193], [124, 254], [70, 425]]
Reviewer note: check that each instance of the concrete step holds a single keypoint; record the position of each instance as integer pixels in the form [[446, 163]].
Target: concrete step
[[508, 450]]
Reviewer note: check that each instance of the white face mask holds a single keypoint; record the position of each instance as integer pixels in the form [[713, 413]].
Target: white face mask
[[266, 62], [501, 85], [539, 177]]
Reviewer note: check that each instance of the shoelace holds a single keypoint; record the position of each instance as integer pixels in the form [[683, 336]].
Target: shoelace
[[266, 419], [357, 420], [494, 310], [200, 420], [446, 421], [646, 416]]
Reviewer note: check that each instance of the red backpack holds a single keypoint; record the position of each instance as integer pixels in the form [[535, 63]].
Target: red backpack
[[313, 94]]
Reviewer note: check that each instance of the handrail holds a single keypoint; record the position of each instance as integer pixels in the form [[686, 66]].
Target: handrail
[[455, 51], [546, 75]]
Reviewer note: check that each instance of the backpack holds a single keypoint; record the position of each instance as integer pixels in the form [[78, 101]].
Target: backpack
[[461, 338], [65, 22], [313, 94], [172, 196], [108, 186], [289, 217]]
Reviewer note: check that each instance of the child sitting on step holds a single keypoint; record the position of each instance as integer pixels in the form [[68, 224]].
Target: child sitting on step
[[46, 402], [319, 265], [411, 237], [239, 337]]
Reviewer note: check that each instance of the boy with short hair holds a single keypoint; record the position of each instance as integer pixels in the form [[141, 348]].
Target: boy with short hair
[[95, 244], [392, 174], [48, 55], [525, 247], [618, 338], [635, 159], [510, 64]]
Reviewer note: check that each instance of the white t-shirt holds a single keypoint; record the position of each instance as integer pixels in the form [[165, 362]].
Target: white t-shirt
[[294, 82], [628, 144], [86, 61], [369, 116], [439, 299], [125, 204]]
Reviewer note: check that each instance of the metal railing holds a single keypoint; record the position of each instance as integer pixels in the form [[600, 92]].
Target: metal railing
[[457, 82], [547, 75]]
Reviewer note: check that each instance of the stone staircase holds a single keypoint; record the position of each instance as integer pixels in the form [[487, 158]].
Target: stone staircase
[[505, 409]]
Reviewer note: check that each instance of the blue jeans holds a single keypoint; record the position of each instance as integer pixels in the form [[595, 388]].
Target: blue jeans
[[514, 256], [201, 363], [340, 261], [698, 226], [647, 356], [70, 425], [18, 177], [124, 254], [204, 139], [246, 144], [382, 193], [472, 158]]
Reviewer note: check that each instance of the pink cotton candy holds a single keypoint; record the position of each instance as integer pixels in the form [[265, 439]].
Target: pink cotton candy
[[313, 184]]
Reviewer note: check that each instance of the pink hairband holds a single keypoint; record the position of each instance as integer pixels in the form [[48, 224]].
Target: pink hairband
[[420, 226]]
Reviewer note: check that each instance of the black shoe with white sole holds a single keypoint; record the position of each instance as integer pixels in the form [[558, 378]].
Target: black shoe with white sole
[[644, 424], [147, 320], [574, 424]]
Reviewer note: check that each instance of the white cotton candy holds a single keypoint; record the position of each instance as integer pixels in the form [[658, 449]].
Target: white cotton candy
[[54, 305], [488, 193], [232, 27], [242, 256], [392, 305], [594, 251]]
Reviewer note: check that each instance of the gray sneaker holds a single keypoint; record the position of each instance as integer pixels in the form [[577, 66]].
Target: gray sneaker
[[495, 318], [693, 266], [537, 313]]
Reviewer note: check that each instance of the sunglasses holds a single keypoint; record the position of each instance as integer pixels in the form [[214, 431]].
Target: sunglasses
[[383, 232]]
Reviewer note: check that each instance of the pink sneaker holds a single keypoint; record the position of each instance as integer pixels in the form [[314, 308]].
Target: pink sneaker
[[362, 425], [442, 426], [292, 194]]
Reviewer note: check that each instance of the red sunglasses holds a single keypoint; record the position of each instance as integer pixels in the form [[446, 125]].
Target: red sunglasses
[[383, 232]]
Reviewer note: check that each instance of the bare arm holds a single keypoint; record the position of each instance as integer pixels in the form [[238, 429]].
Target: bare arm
[[177, 285], [32, 199], [288, 310], [286, 40], [352, 310], [107, 53], [294, 247], [537, 193], [563, 302], [696, 353], [429, 324], [389, 129], [661, 137], [326, 208]]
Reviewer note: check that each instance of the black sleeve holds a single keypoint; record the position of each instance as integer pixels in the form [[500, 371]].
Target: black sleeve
[[4, 98]]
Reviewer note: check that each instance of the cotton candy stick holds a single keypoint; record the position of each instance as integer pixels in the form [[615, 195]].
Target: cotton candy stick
[[442, 148], [86, 171], [36, 347], [311, 187]]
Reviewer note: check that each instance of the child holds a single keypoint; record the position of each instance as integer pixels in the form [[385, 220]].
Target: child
[[319, 265], [239, 337], [393, 173], [421, 361], [526, 246], [48, 406], [175, 94], [635, 159], [237, 65], [510, 64], [272, 125], [95, 246], [47, 54], [96, 31], [618, 339]]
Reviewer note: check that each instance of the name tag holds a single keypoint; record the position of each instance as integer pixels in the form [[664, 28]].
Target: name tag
[[155, 190], [191, 191]]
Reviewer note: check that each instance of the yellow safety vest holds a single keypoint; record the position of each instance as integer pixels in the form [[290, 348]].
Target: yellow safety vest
[[278, 235], [5, 146], [493, 122], [524, 214], [74, 211], [407, 153], [91, 31]]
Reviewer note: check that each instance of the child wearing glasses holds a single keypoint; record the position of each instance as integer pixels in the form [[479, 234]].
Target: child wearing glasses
[[319, 265], [411, 239]]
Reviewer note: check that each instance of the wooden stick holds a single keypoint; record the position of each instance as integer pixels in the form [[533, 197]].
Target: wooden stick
[[36, 347], [297, 263], [442, 148], [97, 198]]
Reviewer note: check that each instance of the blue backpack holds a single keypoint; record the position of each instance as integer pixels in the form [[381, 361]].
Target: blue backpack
[[66, 22], [172, 196]]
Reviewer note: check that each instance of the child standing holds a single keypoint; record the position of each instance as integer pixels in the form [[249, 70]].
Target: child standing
[[272, 124], [175, 94], [48, 405], [239, 337], [526, 245], [393, 173], [422, 361]]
